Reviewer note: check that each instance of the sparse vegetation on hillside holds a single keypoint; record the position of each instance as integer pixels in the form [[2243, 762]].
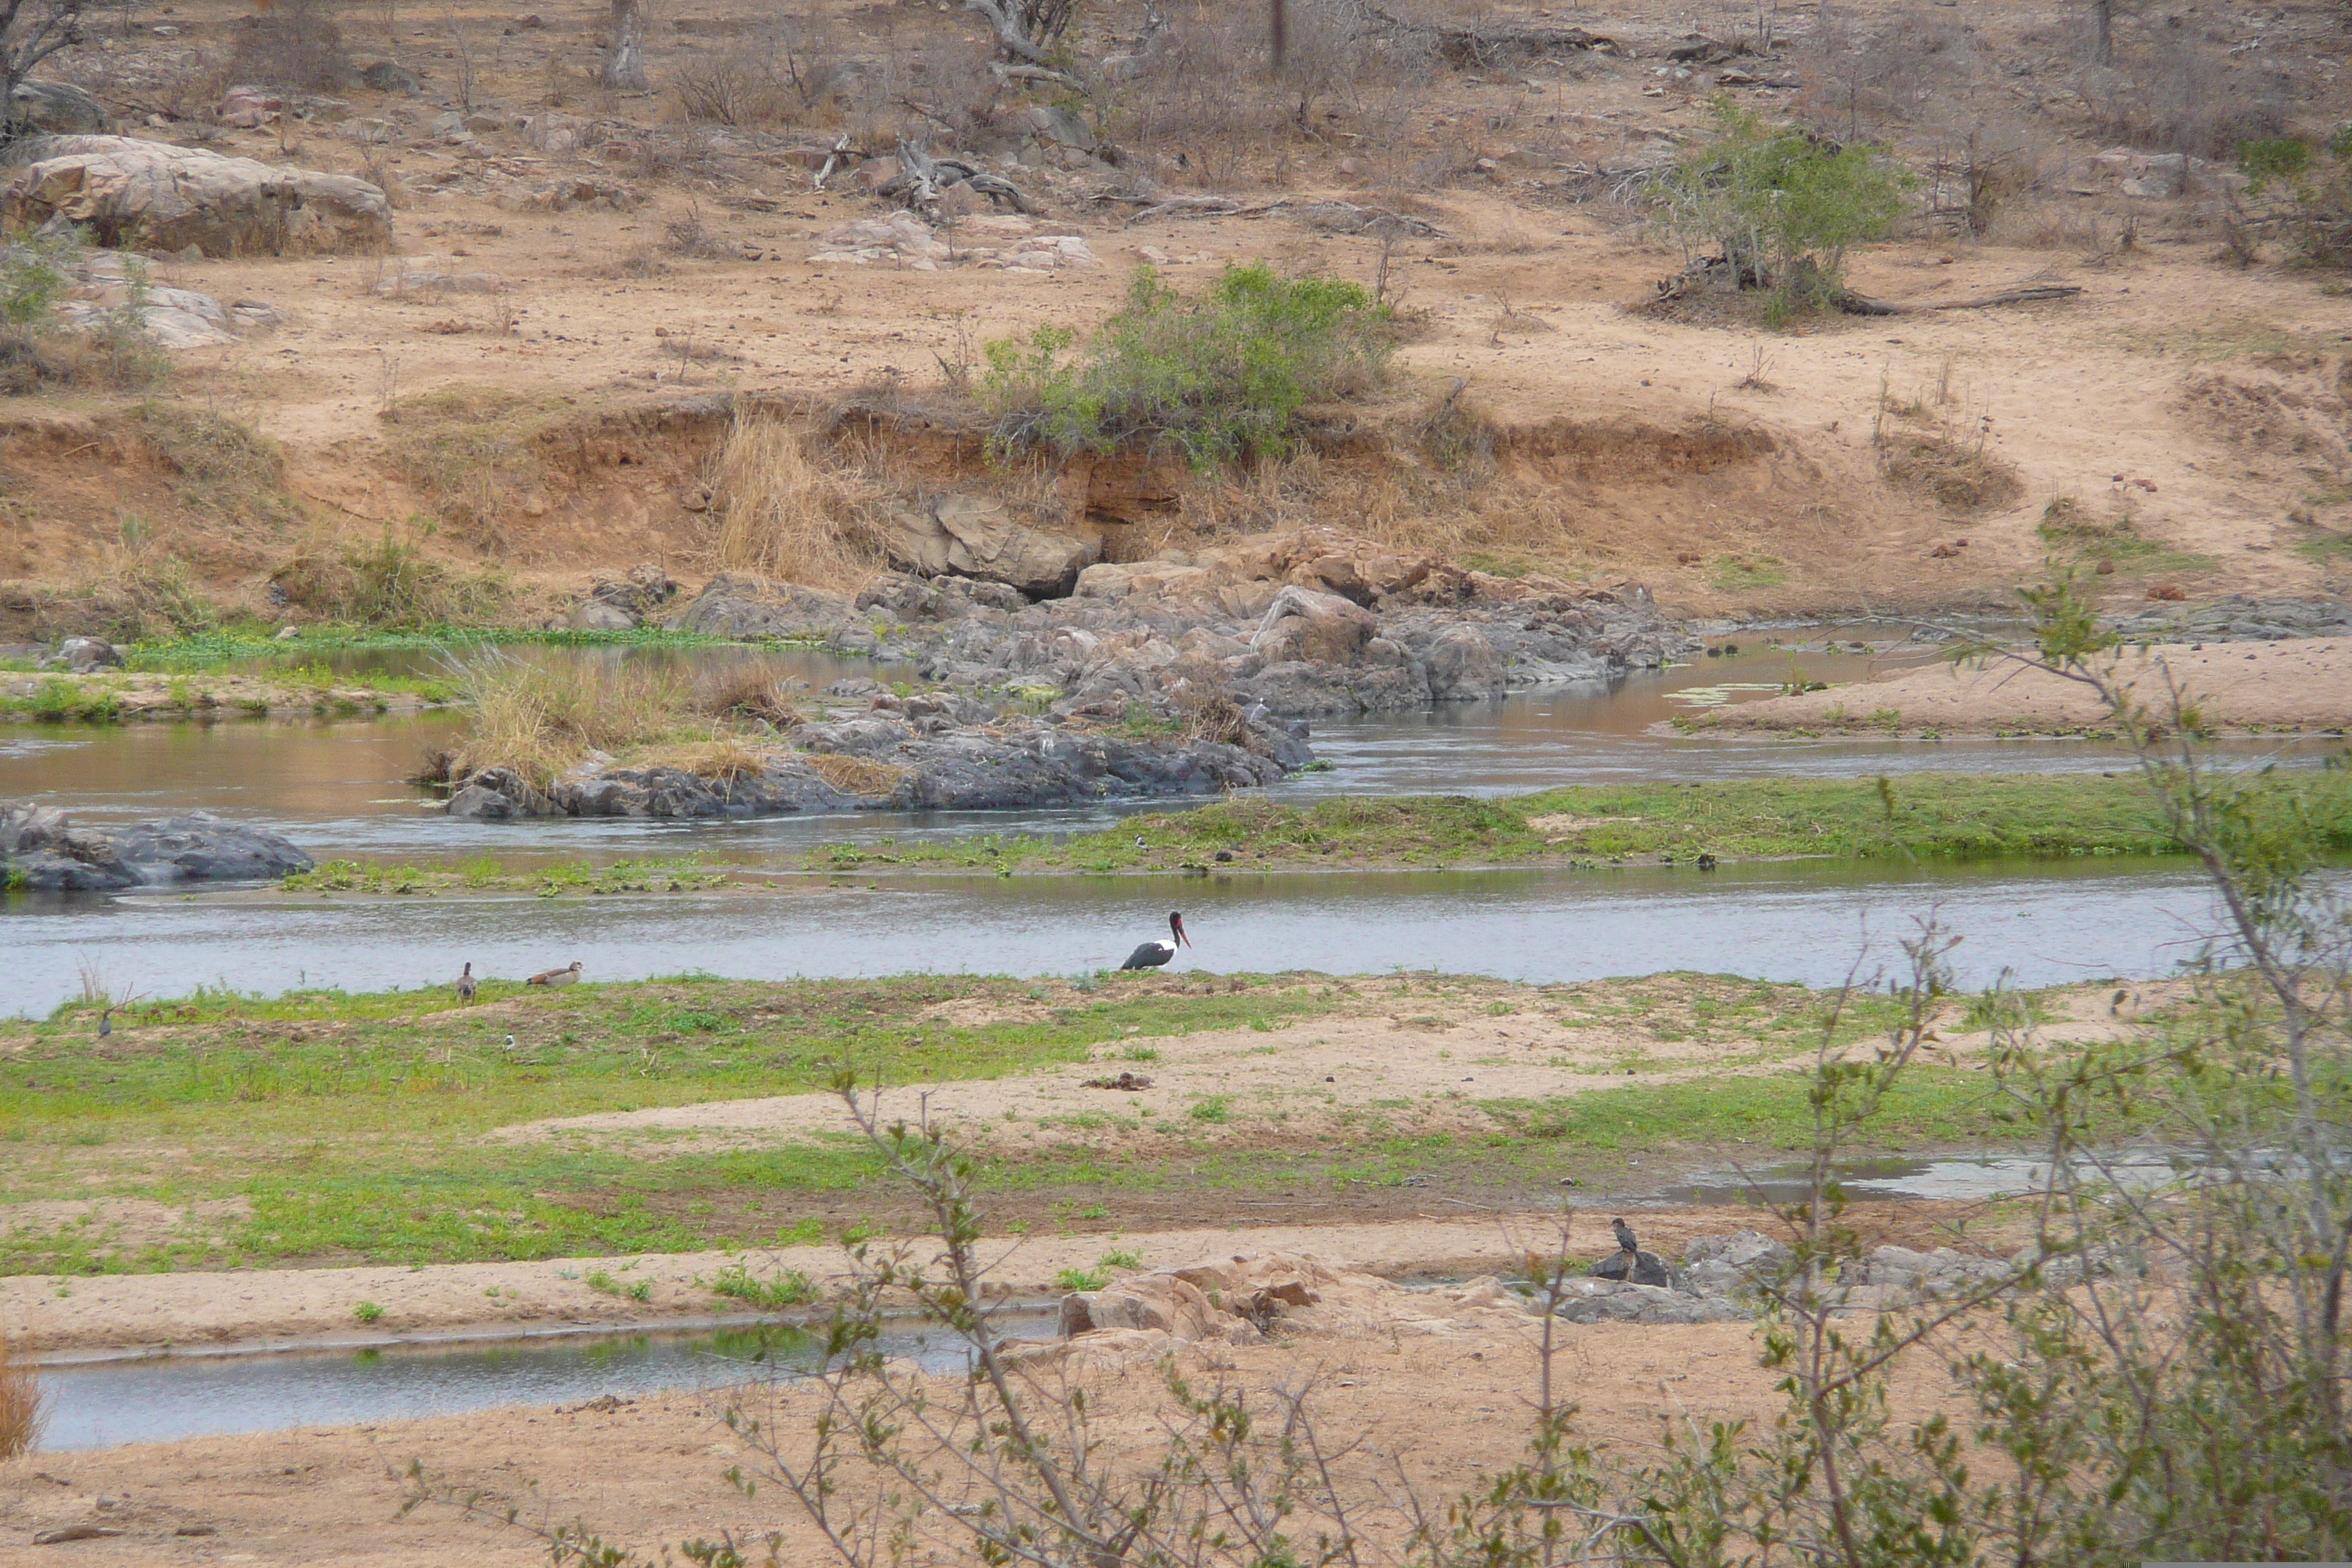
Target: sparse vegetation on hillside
[[1220, 376], [1782, 207], [785, 515], [390, 583]]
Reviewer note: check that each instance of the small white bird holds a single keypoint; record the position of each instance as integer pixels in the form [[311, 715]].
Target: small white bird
[[564, 976], [1139, 844], [510, 1042]]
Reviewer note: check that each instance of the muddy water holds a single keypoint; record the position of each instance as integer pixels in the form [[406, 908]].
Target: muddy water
[[1810, 923], [96, 1405], [340, 789]]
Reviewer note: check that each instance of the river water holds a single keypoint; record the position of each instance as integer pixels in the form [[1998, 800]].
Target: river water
[[159, 1399], [338, 790]]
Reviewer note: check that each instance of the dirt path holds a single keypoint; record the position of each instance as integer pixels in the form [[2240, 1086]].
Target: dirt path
[[2304, 685]]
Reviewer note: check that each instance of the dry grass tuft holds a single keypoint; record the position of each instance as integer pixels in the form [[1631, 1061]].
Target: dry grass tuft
[[787, 517], [724, 758], [854, 775], [22, 1411], [540, 722], [749, 690], [1209, 709], [1960, 475]]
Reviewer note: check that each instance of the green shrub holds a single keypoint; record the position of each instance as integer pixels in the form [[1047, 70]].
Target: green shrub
[[789, 1289], [1081, 1279], [1783, 206], [2273, 158], [1221, 376]]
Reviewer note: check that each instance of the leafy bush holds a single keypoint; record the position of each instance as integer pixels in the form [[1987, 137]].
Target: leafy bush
[[2273, 158], [1782, 205], [1221, 376]]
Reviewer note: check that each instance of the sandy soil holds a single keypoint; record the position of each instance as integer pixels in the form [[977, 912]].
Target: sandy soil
[[2304, 685], [248, 1309], [1439, 1387], [1417, 1072], [2197, 400]]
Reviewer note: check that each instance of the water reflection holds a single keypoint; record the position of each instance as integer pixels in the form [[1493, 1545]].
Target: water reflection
[[98, 1405]]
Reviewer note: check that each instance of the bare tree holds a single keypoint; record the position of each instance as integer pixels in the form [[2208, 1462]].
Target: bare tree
[[30, 32], [1025, 29], [624, 55]]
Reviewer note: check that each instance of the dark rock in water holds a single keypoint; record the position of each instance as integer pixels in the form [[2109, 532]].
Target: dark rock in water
[[40, 848], [1646, 1268], [940, 752]]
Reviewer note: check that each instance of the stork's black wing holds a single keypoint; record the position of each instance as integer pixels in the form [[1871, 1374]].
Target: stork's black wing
[[1151, 955]]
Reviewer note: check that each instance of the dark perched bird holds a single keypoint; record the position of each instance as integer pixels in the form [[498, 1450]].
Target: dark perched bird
[[564, 976], [106, 1023], [1624, 1235], [1705, 861], [1153, 955], [466, 985]]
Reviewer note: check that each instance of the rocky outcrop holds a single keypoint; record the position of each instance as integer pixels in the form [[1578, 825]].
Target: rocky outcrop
[[2240, 617], [939, 752], [56, 107], [964, 536], [1305, 623], [148, 195], [40, 848]]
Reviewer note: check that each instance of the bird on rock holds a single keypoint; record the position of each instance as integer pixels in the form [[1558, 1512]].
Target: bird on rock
[[564, 976], [1624, 1235]]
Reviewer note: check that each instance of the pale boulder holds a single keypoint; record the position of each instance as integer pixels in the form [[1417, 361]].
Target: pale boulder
[[146, 196]]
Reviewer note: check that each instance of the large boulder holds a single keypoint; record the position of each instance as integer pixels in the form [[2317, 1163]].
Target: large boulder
[[737, 604], [41, 848], [1313, 628], [58, 107], [967, 536], [1464, 666], [1614, 1302], [1635, 1269], [147, 195], [1720, 1265]]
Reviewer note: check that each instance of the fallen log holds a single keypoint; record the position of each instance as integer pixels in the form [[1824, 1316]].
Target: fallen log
[[1854, 304]]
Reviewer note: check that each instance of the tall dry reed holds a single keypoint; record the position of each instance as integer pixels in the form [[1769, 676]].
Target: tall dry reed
[[539, 721], [786, 516], [22, 1410]]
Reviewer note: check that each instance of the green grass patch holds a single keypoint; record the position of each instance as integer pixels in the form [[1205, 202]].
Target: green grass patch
[[1921, 816]]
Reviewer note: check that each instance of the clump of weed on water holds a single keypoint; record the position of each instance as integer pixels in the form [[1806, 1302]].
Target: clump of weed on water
[[538, 722], [24, 1410], [790, 1287]]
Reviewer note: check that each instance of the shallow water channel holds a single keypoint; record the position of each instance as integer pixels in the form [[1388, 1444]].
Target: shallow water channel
[[94, 1404], [339, 789]]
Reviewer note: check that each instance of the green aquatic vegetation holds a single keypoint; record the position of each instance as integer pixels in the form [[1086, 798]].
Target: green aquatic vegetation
[[789, 1287]]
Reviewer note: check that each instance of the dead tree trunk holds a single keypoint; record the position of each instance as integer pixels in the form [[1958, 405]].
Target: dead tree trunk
[[2102, 32], [624, 55]]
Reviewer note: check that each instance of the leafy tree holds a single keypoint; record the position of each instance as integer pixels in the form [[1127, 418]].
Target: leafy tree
[[1783, 205]]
